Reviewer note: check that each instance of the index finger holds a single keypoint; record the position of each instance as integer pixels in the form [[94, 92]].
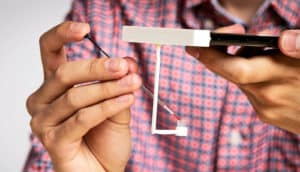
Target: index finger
[[53, 41], [238, 69]]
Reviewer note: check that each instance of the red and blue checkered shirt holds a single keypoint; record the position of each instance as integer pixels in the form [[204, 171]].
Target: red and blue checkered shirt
[[225, 134]]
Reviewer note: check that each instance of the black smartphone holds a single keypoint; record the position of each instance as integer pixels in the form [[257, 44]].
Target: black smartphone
[[244, 40], [250, 45]]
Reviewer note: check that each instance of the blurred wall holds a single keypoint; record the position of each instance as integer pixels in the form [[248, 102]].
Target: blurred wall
[[22, 22]]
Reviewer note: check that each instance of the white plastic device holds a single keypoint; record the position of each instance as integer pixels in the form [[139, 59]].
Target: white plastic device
[[165, 36]]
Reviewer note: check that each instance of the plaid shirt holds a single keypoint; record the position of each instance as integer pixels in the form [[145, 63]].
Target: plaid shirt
[[225, 134]]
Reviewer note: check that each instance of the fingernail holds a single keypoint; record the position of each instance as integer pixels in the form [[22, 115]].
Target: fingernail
[[123, 99], [114, 65], [291, 41], [76, 27]]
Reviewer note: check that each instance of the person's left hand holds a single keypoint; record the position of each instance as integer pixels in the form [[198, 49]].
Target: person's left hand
[[271, 82]]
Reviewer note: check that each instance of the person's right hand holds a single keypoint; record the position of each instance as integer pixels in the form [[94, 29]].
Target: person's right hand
[[86, 127]]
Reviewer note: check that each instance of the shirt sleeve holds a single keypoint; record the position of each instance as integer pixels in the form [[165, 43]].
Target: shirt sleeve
[[38, 159]]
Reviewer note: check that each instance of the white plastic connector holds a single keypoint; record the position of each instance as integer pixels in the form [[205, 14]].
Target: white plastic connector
[[181, 128], [166, 36]]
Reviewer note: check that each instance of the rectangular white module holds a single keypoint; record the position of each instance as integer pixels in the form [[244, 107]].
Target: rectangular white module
[[166, 36]]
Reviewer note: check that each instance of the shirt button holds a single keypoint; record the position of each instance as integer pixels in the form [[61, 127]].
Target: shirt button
[[235, 138]]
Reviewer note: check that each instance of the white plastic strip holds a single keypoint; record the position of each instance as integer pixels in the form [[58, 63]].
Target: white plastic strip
[[166, 36], [181, 129], [156, 89]]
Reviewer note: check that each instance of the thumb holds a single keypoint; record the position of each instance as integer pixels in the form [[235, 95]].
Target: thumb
[[289, 43], [52, 44]]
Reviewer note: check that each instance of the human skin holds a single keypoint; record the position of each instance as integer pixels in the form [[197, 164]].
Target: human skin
[[83, 128], [86, 128], [271, 82]]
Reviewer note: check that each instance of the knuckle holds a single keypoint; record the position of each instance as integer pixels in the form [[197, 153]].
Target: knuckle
[[48, 138], [30, 104], [105, 90], [61, 75], [242, 75], [72, 99], [34, 125], [102, 109], [93, 67], [81, 119]]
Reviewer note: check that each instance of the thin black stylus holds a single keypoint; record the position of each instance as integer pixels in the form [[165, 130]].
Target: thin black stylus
[[96, 45]]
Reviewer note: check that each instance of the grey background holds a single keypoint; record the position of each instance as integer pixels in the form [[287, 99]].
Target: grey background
[[22, 22]]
